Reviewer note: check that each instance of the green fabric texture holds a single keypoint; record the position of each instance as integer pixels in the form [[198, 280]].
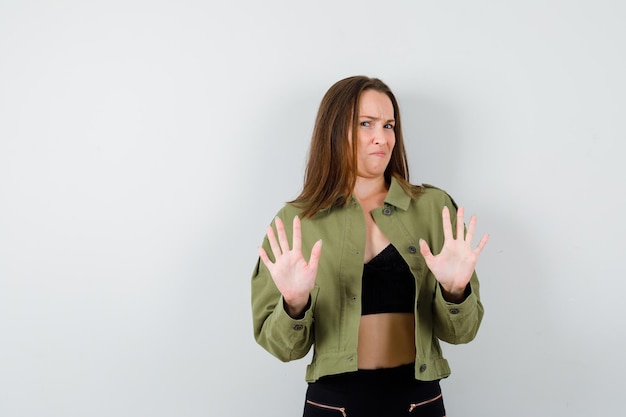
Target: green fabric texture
[[331, 322]]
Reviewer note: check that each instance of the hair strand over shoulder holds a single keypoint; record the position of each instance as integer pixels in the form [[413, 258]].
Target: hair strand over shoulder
[[330, 173]]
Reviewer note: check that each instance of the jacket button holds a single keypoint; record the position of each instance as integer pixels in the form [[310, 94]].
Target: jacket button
[[412, 249], [298, 327], [423, 368], [454, 311], [387, 211]]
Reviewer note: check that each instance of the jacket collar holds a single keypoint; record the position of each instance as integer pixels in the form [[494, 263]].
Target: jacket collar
[[396, 196]]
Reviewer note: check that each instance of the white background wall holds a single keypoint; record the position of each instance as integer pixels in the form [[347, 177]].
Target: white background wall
[[145, 145]]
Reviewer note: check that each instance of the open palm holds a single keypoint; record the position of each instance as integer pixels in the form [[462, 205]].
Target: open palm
[[293, 275], [454, 265]]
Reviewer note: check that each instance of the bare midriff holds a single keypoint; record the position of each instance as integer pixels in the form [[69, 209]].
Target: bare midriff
[[386, 340]]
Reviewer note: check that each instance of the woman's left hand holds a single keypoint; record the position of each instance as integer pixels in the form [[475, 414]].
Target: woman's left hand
[[454, 265]]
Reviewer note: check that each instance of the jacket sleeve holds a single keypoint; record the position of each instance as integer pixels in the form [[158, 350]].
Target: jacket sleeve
[[282, 336], [457, 323]]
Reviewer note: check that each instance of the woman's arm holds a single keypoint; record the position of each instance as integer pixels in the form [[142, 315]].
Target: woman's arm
[[283, 292]]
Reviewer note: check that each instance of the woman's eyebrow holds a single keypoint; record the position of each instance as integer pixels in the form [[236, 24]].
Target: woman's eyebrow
[[374, 118]]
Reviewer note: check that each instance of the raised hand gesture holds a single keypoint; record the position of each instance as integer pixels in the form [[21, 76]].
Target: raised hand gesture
[[454, 265], [293, 275]]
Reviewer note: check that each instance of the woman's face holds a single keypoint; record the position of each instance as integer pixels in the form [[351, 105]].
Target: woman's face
[[375, 134]]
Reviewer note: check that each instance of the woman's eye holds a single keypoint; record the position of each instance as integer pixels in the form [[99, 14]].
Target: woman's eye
[[388, 126], [365, 124]]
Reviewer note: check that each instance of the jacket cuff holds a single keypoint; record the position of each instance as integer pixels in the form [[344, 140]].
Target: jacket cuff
[[455, 311], [291, 328]]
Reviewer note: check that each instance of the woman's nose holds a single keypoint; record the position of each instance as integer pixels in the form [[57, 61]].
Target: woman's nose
[[379, 137]]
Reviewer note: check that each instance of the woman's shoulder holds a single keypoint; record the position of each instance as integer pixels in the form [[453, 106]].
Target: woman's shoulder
[[432, 189], [434, 194], [289, 210]]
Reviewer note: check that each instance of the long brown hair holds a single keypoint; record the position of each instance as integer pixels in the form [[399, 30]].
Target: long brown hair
[[330, 173]]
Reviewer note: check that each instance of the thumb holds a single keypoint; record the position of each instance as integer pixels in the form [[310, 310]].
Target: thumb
[[425, 250]]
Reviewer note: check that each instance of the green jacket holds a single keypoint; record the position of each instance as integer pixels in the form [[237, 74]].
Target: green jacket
[[331, 323]]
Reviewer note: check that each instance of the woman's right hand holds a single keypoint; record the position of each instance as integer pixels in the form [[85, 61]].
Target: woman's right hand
[[293, 275]]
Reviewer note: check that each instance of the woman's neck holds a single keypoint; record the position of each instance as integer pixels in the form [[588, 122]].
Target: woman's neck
[[369, 188]]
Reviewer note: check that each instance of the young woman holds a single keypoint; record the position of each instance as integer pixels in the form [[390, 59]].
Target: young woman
[[393, 276]]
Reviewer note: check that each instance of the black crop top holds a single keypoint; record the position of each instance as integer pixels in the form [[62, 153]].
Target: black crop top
[[388, 285]]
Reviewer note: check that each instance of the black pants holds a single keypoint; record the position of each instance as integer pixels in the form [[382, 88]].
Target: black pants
[[390, 392]]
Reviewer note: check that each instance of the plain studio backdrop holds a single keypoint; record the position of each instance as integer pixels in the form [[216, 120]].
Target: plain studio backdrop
[[145, 146]]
